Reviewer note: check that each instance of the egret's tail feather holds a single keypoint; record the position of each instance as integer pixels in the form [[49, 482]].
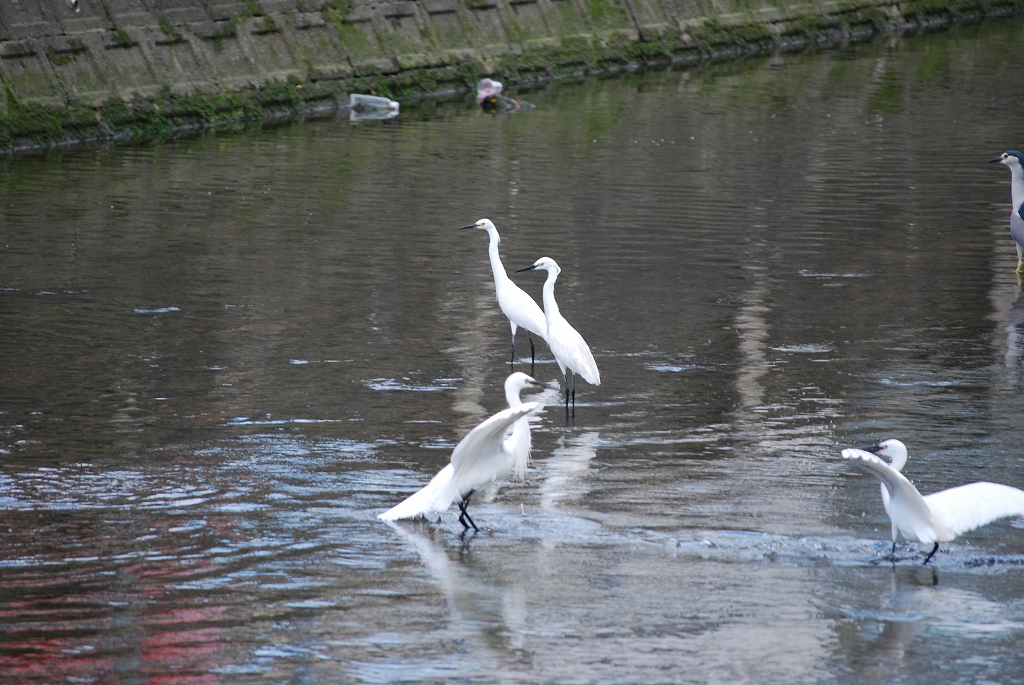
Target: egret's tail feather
[[434, 498], [589, 371]]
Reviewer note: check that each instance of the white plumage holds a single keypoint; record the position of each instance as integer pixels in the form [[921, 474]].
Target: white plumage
[[519, 441], [570, 349], [482, 457], [431, 500], [519, 307], [939, 517]]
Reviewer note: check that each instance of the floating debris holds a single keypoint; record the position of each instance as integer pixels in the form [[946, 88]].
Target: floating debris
[[487, 88], [371, 107]]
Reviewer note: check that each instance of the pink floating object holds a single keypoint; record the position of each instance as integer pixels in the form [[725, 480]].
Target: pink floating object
[[487, 88]]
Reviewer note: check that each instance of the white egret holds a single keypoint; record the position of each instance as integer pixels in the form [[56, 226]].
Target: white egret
[[941, 516], [570, 349], [482, 457], [519, 307]]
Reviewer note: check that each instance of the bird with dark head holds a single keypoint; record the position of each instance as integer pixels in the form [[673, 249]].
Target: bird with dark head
[[1015, 160]]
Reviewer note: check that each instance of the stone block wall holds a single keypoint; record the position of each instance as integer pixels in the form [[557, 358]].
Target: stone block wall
[[74, 69]]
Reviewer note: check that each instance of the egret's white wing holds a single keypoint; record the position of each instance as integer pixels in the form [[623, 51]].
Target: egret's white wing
[[907, 509], [568, 345], [971, 506], [482, 444], [520, 308], [434, 498], [517, 442]]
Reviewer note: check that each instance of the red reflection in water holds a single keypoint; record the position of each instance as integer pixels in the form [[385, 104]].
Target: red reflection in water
[[83, 623]]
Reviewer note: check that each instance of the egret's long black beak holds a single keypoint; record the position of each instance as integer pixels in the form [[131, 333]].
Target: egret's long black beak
[[470, 226], [996, 160], [546, 386], [527, 268], [867, 448]]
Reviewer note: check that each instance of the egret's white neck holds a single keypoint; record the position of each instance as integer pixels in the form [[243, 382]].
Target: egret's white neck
[[497, 268], [550, 307], [512, 396], [1017, 185]]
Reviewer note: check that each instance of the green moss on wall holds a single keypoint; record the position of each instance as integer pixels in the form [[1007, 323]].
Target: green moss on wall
[[563, 39], [606, 12], [168, 30], [42, 124], [713, 33], [122, 39]]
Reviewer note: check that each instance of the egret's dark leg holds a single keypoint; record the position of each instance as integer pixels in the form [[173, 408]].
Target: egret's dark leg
[[464, 516], [931, 554], [573, 393], [565, 379], [533, 352], [513, 362]]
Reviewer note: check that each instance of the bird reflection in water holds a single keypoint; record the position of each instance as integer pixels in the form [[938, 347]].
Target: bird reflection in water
[[490, 616], [883, 640], [1015, 329], [566, 470], [897, 620]]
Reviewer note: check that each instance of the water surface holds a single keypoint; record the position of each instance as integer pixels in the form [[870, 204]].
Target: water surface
[[221, 358]]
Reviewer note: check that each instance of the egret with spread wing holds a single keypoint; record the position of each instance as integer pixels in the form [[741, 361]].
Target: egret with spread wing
[[482, 457], [939, 517]]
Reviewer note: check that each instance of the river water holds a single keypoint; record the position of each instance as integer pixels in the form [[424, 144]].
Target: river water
[[222, 357]]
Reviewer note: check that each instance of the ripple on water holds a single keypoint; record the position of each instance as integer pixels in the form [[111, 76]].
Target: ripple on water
[[406, 384], [404, 671], [809, 348]]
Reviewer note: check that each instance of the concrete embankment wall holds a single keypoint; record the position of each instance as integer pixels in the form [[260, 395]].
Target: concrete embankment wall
[[80, 69]]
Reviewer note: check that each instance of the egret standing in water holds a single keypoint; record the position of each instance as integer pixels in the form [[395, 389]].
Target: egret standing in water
[[482, 457], [1015, 160], [519, 307], [939, 517], [570, 349]]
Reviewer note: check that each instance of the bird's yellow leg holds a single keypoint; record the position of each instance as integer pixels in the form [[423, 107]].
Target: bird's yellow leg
[[1020, 266]]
